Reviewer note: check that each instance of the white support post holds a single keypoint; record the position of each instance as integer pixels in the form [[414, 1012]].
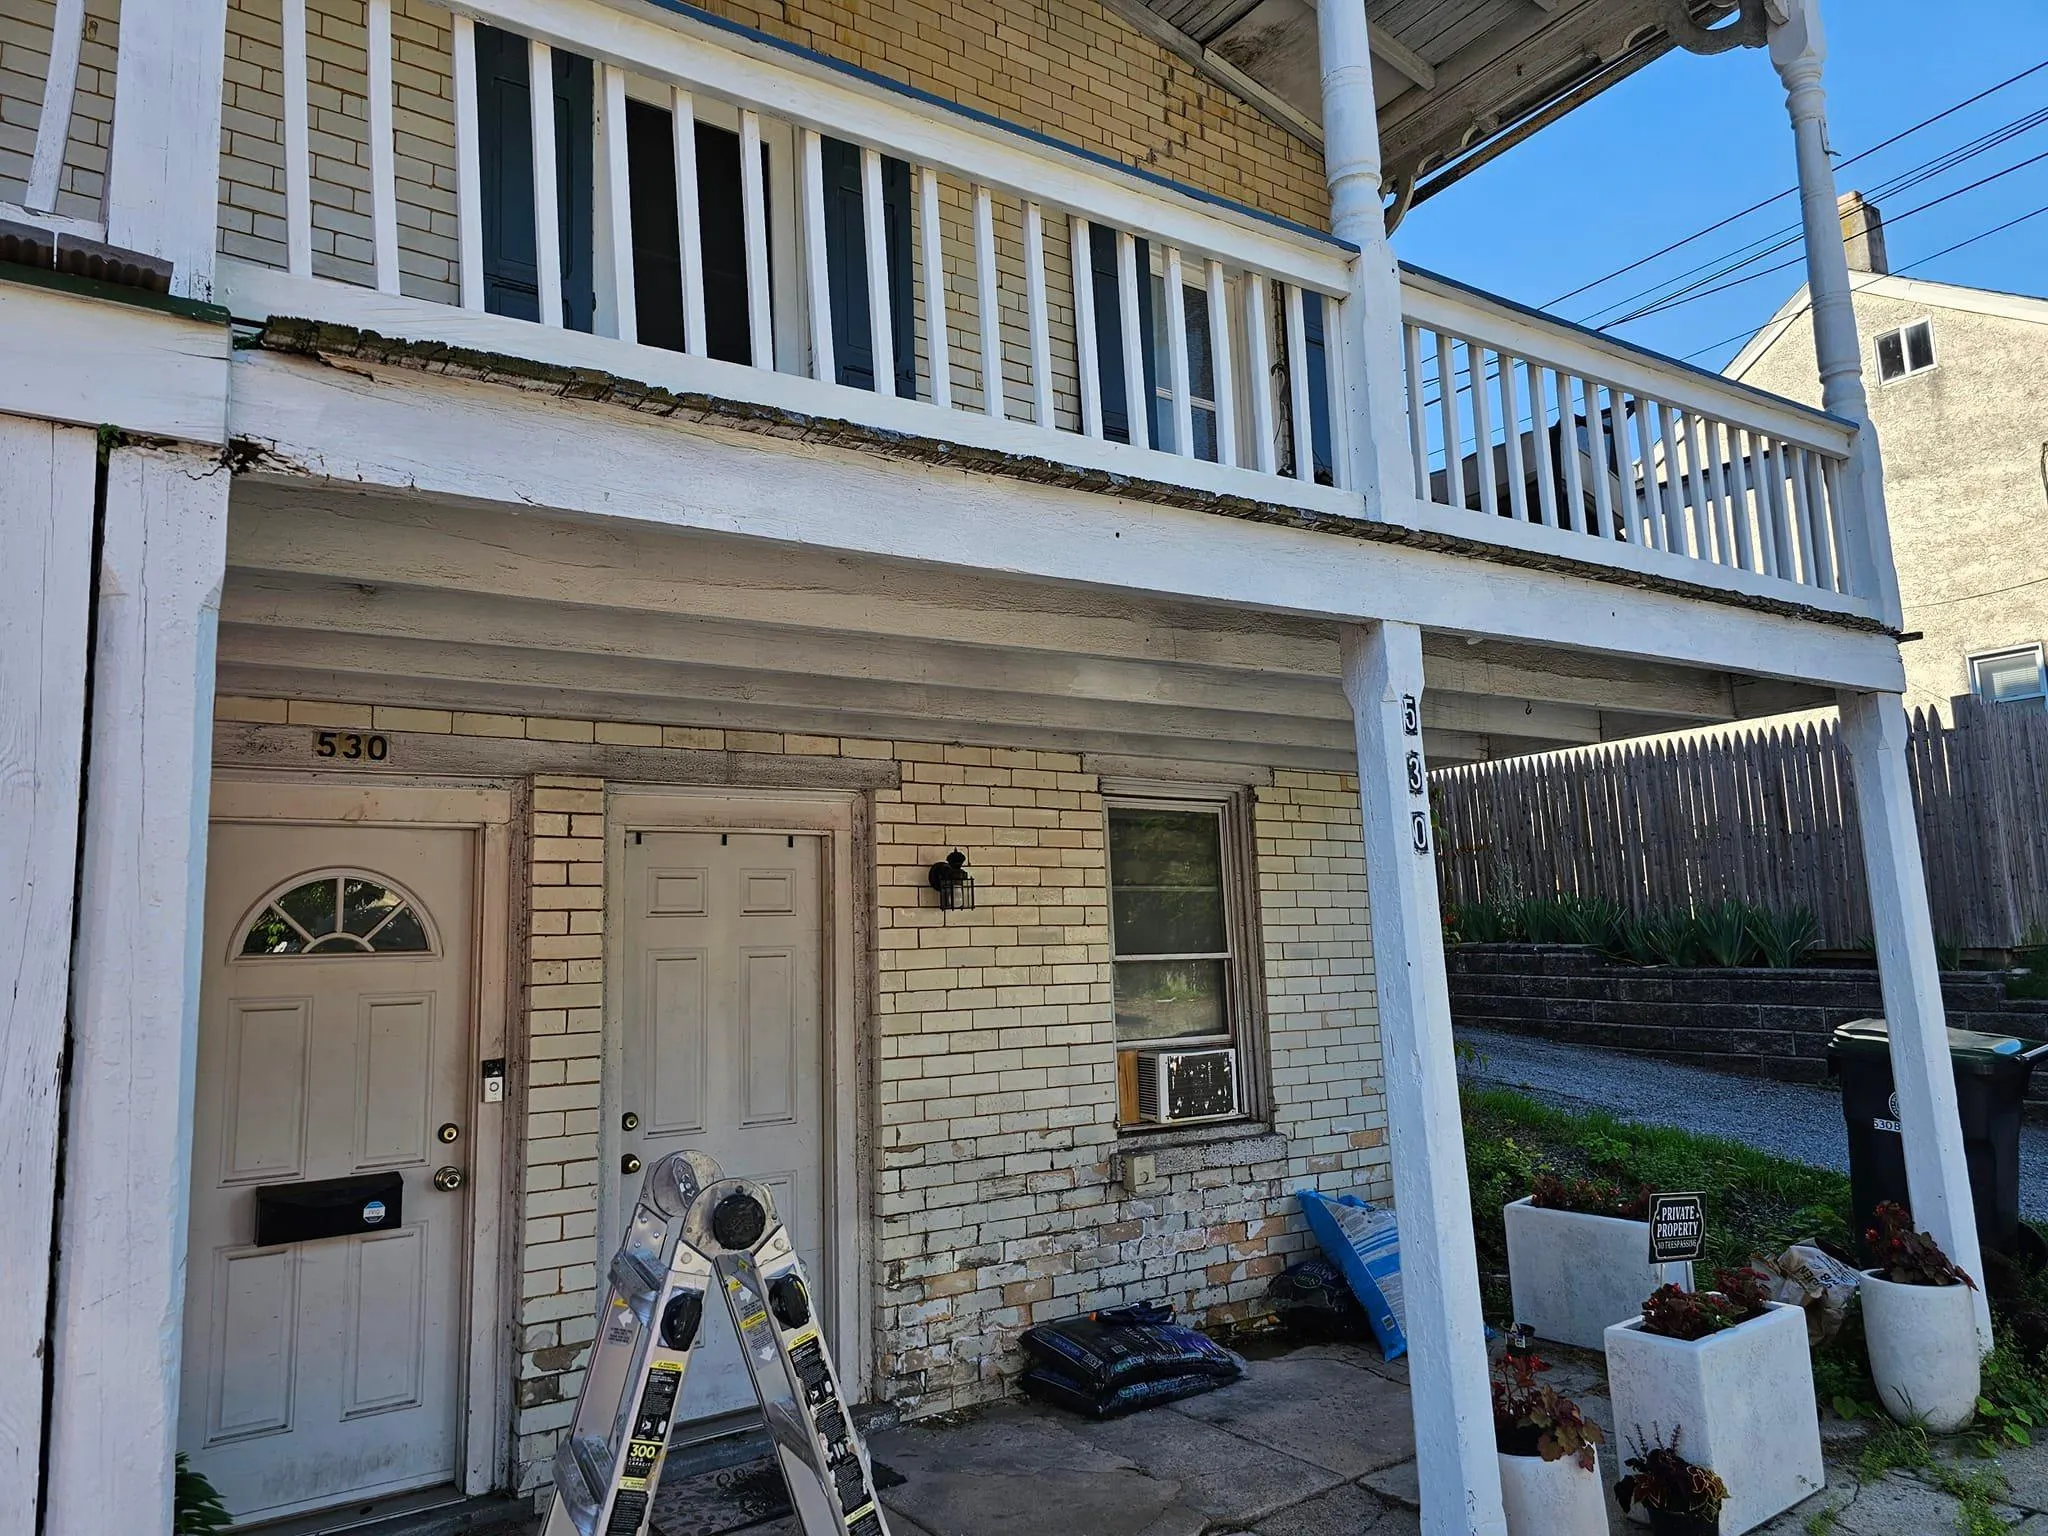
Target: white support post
[[817, 264], [689, 233], [60, 85], [988, 304], [469, 177], [619, 311], [1799, 49], [135, 995], [1874, 732], [754, 222], [1220, 360], [1087, 341], [46, 517], [163, 165], [547, 212], [932, 238], [1039, 313], [383, 148], [881, 327], [1377, 431], [1455, 1455]]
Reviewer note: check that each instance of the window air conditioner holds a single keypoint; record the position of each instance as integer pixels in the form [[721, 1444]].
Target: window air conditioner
[[1181, 1087]]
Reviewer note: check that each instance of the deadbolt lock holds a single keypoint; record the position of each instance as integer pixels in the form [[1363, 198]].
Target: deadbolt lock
[[448, 1179], [629, 1164], [451, 1132], [629, 1121]]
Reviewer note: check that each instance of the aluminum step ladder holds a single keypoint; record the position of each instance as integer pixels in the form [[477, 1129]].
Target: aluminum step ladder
[[695, 1231]]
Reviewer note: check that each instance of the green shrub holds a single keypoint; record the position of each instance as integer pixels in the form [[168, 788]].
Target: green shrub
[[196, 1509], [1782, 938], [1722, 932]]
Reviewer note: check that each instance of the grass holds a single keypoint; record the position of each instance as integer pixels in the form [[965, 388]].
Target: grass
[[1756, 1203]]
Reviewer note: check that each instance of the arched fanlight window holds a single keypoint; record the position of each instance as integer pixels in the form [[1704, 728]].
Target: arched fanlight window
[[341, 912]]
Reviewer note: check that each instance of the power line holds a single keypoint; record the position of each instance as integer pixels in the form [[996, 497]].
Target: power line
[[1692, 296], [1785, 238], [1776, 196], [1947, 250]]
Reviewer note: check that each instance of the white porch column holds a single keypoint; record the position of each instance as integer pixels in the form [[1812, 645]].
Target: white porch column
[[135, 995], [163, 167], [1937, 1178], [1376, 392], [1454, 1447], [1799, 50], [46, 510]]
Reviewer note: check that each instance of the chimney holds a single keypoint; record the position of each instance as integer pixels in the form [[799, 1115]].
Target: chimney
[[1863, 234]]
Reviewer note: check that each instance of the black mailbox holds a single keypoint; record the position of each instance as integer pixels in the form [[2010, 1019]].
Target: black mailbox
[[316, 1208]]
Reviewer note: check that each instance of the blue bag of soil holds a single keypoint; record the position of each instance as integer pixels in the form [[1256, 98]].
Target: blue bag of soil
[[1123, 1359], [1363, 1241]]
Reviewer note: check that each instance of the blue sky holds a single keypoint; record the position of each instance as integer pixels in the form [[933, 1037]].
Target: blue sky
[[1689, 141]]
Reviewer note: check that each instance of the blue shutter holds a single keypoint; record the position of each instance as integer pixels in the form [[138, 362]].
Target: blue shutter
[[505, 134]]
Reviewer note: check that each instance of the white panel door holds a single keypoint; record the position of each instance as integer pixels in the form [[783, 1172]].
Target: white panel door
[[723, 1039], [334, 1040]]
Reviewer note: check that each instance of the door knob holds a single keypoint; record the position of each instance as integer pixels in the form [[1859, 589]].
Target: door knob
[[629, 1164], [448, 1179]]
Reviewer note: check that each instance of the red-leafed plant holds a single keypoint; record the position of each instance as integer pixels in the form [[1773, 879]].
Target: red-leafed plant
[[1590, 1197], [1662, 1480], [1907, 1257], [1530, 1419], [1738, 1296]]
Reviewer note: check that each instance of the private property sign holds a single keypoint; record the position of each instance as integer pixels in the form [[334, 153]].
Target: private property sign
[[1678, 1228]]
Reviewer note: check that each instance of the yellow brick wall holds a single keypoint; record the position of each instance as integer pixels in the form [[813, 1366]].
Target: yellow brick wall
[[1070, 69], [994, 1118], [24, 67]]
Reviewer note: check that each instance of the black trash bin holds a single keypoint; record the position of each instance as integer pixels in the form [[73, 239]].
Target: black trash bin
[[1991, 1091]]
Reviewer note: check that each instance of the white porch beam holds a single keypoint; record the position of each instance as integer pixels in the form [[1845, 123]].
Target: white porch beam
[[87, 362], [1874, 730], [1454, 1451], [46, 515], [163, 166], [1799, 49], [135, 997], [390, 428], [1377, 407]]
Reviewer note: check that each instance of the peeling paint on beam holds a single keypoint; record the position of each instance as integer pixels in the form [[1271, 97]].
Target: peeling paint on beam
[[338, 345]]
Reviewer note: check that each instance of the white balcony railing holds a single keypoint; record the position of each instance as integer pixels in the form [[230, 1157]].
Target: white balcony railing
[[1008, 348], [1566, 441], [1004, 292]]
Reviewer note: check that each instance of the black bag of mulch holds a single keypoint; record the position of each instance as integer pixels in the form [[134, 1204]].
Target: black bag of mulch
[[1104, 1352], [1313, 1300], [1063, 1391]]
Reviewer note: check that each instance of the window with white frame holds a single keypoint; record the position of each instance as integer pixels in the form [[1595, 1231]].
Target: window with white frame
[[2014, 676], [1184, 959], [1907, 350]]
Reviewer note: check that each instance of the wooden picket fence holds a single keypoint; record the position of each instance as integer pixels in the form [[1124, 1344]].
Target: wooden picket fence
[[1766, 815]]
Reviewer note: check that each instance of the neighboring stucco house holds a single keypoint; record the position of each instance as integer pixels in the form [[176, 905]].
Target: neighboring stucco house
[[529, 530], [1959, 395]]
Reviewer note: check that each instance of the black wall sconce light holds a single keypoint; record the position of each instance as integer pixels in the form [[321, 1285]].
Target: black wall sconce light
[[949, 877]]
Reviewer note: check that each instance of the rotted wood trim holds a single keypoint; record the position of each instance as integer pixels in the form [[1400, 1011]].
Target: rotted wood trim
[[339, 345], [424, 752]]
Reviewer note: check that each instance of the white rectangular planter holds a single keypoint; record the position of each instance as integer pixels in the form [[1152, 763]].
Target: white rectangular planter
[[1743, 1399], [1573, 1275]]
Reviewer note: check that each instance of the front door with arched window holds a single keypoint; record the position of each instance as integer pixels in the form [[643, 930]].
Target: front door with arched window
[[334, 1048]]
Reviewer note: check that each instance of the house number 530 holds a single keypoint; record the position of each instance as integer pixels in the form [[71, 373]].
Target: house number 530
[[351, 745]]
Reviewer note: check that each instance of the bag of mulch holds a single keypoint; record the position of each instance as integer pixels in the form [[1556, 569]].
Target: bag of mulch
[[1063, 1391], [1104, 1352], [1365, 1244], [1806, 1277], [1312, 1300]]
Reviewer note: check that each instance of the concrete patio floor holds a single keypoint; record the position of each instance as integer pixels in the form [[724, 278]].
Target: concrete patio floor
[[1314, 1441]]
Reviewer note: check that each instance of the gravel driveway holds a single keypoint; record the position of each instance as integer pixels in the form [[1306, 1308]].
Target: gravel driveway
[[1785, 1119]]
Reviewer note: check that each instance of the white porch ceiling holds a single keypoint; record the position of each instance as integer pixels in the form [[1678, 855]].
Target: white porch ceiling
[[334, 593], [1450, 73]]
